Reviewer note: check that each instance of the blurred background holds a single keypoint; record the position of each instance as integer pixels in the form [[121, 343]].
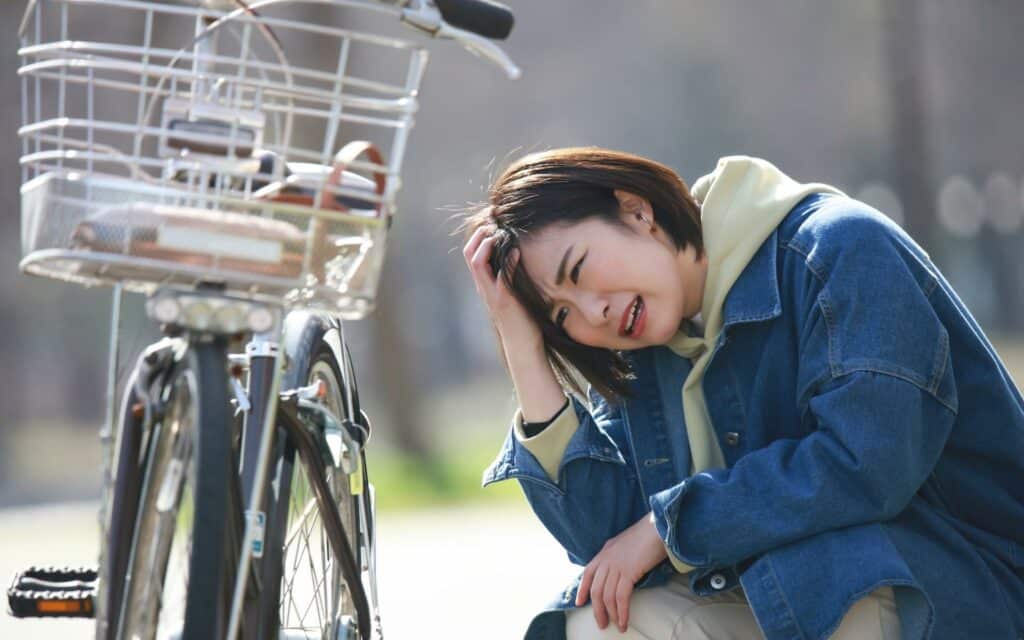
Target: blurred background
[[913, 106]]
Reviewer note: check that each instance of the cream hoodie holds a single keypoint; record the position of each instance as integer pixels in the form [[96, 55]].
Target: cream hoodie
[[742, 201]]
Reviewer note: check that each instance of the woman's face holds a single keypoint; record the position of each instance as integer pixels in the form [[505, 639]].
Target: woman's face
[[614, 287]]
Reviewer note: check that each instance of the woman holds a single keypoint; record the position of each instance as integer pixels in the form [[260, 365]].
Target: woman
[[795, 428]]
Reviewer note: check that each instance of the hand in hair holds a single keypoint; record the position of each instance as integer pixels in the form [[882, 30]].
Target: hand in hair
[[540, 395], [511, 319]]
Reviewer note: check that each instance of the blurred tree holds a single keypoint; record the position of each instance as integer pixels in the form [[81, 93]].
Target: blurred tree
[[910, 151], [10, 353], [396, 361]]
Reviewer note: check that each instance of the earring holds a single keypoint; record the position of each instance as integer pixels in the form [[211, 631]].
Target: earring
[[640, 217]]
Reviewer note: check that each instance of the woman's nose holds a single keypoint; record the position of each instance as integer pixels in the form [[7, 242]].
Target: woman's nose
[[595, 309]]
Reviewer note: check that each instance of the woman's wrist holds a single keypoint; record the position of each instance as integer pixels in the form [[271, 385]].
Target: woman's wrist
[[540, 395], [531, 429], [522, 347], [525, 356]]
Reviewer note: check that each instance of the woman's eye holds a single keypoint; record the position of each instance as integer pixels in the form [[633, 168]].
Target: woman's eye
[[574, 275], [560, 317]]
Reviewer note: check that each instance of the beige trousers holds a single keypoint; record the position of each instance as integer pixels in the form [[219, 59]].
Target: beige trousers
[[674, 612]]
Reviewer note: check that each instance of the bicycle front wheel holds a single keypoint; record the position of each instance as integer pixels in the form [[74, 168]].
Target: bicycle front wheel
[[176, 576], [305, 582]]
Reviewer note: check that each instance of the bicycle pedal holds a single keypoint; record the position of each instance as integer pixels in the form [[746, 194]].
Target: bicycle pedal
[[53, 592]]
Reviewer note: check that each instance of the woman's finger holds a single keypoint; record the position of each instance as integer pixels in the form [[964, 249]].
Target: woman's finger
[[513, 261], [483, 275], [477, 244], [474, 241], [583, 591], [610, 594], [481, 257], [513, 258], [597, 596], [480, 272], [472, 248], [622, 595]]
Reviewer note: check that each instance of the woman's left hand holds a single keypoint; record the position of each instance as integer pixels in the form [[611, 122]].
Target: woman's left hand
[[609, 578]]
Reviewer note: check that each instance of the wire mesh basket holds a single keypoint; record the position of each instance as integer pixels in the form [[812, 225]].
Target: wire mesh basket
[[170, 144]]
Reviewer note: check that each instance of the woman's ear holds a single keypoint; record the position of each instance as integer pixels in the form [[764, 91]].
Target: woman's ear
[[635, 211]]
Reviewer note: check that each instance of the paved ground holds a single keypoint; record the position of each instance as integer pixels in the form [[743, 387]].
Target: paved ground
[[468, 573]]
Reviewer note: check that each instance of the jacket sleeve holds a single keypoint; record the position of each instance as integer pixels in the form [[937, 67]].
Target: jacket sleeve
[[878, 416], [589, 492], [549, 445]]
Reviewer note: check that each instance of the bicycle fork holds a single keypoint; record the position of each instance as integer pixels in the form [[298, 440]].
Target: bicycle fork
[[295, 411], [266, 364]]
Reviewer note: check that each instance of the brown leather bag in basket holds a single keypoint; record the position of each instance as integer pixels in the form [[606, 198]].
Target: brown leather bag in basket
[[322, 249]]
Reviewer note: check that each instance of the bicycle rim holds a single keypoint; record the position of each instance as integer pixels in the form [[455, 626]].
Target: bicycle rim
[[120, 503], [313, 599], [154, 605]]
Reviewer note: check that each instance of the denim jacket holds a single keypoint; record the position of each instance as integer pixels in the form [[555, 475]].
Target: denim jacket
[[871, 434]]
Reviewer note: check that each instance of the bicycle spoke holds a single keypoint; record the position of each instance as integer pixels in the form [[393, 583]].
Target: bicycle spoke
[[300, 548], [310, 509], [313, 594], [309, 556]]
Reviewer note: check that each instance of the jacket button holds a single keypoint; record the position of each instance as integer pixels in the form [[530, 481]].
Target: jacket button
[[718, 582], [732, 438]]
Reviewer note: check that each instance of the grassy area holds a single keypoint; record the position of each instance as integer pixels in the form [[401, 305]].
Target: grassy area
[[56, 460], [403, 482]]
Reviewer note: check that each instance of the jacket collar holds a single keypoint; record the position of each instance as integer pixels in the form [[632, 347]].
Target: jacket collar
[[754, 297]]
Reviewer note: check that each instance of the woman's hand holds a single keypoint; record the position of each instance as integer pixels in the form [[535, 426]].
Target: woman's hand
[[609, 578], [516, 328], [540, 394]]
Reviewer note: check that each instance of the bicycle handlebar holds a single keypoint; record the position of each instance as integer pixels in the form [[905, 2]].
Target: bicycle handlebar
[[483, 17]]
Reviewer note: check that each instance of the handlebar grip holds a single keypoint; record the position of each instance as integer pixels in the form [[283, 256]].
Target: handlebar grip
[[483, 17]]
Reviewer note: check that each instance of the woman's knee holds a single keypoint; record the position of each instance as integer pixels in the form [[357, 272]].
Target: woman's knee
[[651, 614], [873, 616], [672, 612], [581, 625], [717, 621]]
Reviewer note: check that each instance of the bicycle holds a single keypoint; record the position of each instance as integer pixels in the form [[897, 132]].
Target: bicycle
[[237, 499]]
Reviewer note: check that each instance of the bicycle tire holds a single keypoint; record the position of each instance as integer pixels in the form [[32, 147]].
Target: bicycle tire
[[176, 585], [299, 556], [119, 502]]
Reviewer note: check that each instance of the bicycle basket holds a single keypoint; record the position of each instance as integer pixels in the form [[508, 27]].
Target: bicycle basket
[[164, 143]]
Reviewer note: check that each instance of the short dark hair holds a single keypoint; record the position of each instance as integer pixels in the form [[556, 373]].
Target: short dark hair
[[565, 186]]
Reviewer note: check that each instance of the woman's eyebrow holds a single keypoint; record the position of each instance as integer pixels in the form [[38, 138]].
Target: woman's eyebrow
[[560, 275]]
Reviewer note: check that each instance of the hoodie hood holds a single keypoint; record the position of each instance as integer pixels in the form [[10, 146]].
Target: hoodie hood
[[742, 202]]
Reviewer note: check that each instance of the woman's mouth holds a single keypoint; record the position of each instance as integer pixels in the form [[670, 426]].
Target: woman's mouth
[[633, 319]]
